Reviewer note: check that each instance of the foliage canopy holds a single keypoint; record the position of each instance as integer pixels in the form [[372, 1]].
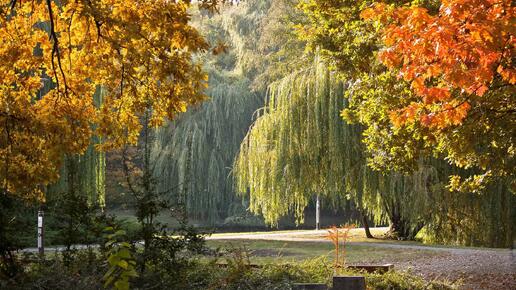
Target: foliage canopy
[[140, 52], [459, 63], [419, 98]]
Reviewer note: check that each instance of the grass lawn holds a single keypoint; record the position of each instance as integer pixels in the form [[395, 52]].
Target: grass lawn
[[262, 251], [354, 235]]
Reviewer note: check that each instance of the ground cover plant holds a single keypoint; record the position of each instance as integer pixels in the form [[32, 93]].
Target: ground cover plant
[[87, 267]]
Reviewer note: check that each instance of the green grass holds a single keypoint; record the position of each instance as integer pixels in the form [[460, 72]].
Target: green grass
[[355, 235], [262, 252]]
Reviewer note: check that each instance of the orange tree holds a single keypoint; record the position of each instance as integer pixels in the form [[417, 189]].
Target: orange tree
[[55, 55], [476, 145], [459, 63], [427, 79]]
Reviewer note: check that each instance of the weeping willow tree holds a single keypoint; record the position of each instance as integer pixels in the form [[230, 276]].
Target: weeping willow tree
[[293, 148], [485, 218], [263, 44], [85, 173], [299, 146], [193, 154]]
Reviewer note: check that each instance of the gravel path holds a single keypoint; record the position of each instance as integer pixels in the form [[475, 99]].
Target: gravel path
[[476, 268]]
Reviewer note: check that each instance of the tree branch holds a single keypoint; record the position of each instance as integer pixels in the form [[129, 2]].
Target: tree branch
[[55, 48]]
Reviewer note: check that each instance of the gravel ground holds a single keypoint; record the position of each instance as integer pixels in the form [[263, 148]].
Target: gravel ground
[[477, 269]]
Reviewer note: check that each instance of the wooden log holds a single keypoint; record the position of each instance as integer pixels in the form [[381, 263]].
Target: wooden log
[[309, 286], [372, 268], [252, 266], [349, 283]]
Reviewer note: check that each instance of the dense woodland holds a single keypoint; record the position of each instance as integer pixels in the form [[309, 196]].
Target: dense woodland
[[239, 114]]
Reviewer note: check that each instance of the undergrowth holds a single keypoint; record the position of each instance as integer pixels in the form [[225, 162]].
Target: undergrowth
[[232, 271]]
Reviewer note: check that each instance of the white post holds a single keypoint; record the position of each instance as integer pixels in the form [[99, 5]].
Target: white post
[[41, 233], [317, 213]]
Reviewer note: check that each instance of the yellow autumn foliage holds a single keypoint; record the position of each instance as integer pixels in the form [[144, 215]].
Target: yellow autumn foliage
[[54, 55]]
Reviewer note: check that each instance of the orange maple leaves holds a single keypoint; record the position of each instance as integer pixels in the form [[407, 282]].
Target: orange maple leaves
[[448, 58]]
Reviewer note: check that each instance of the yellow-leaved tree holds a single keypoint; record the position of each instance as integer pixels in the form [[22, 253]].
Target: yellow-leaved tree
[[138, 52]]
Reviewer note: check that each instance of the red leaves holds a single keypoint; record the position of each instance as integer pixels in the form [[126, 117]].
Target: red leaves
[[401, 117], [447, 115], [427, 120], [463, 47], [434, 94]]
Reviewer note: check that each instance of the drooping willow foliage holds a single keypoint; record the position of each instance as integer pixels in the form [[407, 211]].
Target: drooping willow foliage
[[476, 220], [485, 218], [85, 172], [262, 43], [299, 146], [291, 152], [193, 154]]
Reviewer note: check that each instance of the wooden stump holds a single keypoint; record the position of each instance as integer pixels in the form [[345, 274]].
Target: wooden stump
[[309, 286], [349, 283]]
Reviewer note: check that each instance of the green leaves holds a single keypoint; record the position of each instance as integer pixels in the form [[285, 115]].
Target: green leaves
[[121, 285], [299, 146], [121, 261]]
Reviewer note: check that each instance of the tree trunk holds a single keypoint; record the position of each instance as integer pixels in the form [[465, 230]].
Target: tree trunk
[[402, 229], [366, 226]]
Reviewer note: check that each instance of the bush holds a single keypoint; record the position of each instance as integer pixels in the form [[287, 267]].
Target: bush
[[77, 269], [398, 280]]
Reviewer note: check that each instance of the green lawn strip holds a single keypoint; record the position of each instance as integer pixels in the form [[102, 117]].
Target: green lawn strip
[[262, 251]]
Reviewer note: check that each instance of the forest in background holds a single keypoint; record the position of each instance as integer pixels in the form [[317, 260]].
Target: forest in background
[[314, 152]]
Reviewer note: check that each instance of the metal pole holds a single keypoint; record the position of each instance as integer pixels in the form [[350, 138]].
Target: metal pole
[[317, 213], [41, 233]]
